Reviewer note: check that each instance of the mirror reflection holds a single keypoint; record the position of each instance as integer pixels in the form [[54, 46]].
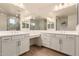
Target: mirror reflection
[[13, 23], [38, 23]]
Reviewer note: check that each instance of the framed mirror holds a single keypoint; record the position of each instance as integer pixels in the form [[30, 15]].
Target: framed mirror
[[25, 24], [38, 23], [13, 23], [51, 25]]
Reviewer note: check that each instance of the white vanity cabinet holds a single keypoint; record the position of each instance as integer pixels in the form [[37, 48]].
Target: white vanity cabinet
[[8, 46], [77, 46], [51, 41], [24, 43], [13, 45], [61, 42], [46, 39], [54, 42], [17, 39], [68, 45], [0, 46]]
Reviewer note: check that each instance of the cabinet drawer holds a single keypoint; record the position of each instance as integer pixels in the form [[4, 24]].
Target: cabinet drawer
[[24, 36], [19, 36], [71, 37], [60, 36], [6, 38], [16, 37], [45, 38], [46, 34], [47, 41]]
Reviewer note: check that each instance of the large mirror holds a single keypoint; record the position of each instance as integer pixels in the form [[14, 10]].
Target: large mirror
[[62, 22], [38, 23], [50, 25], [9, 22], [66, 19], [13, 23], [25, 24]]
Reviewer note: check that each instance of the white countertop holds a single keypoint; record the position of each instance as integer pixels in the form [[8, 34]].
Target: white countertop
[[10, 33], [55, 32], [36, 33], [63, 32]]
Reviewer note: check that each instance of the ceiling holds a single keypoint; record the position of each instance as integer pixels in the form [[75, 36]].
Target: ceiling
[[9, 9], [34, 9], [66, 11], [39, 9]]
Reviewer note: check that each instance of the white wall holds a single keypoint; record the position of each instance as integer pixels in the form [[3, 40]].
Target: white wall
[[72, 21], [52, 19], [3, 22], [23, 18]]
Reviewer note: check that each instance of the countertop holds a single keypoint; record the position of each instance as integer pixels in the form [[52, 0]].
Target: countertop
[[36, 33], [33, 35], [63, 32], [10, 33]]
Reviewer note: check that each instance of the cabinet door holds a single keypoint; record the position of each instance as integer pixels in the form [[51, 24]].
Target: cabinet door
[[68, 45], [77, 46], [24, 43], [55, 42], [0, 47], [46, 42], [8, 46], [46, 39], [17, 39]]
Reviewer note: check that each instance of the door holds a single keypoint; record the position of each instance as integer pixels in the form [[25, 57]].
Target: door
[[8, 46], [68, 45]]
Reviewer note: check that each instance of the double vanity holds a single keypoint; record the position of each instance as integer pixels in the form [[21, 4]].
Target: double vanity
[[18, 42], [14, 43], [65, 42]]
